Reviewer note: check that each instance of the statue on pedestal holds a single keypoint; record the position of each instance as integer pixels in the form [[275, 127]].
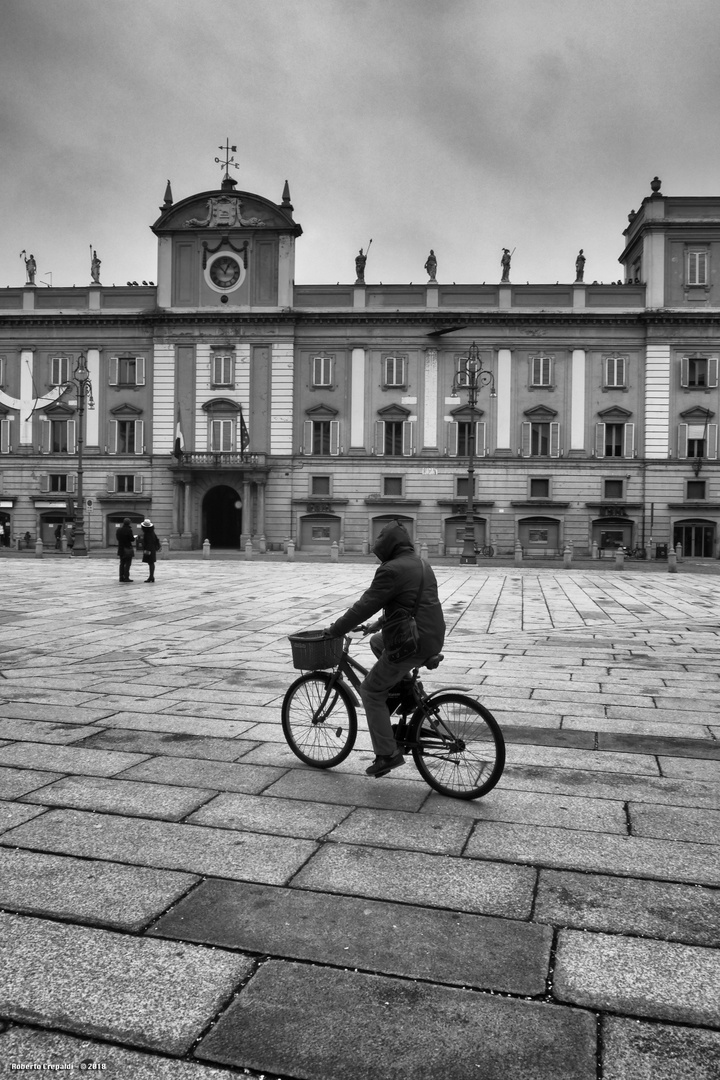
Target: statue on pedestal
[[580, 266], [431, 266], [360, 260], [505, 263], [95, 267], [30, 267]]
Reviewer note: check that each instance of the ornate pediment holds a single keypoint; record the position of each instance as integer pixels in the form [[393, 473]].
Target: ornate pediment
[[541, 414], [321, 412], [224, 405], [58, 410], [464, 412], [225, 210], [126, 410], [394, 412], [615, 414], [697, 415]]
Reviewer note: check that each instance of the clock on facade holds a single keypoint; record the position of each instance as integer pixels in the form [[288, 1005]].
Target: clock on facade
[[224, 272]]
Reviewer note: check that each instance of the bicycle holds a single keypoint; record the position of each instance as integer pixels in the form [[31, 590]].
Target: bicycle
[[455, 742], [487, 551]]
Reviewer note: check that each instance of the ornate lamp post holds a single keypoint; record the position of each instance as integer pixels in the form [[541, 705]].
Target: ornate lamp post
[[471, 376], [83, 386]]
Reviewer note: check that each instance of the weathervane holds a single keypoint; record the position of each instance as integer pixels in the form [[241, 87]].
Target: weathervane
[[228, 161]]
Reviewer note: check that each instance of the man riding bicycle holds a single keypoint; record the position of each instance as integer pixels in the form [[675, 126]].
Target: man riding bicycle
[[394, 588]]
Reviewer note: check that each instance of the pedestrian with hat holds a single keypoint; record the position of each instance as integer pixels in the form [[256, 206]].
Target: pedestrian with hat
[[150, 546], [126, 549]]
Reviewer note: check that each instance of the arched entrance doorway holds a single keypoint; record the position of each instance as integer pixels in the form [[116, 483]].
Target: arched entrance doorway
[[222, 517], [5, 529], [539, 536], [455, 533]]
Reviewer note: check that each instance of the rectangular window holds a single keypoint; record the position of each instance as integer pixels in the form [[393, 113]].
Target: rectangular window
[[461, 487], [394, 371], [614, 440], [221, 437], [540, 488], [58, 482], [58, 437], [699, 372], [394, 438], [695, 489], [539, 440], [393, 486], [5, 436], [59, 370], [613, 489], [127, 371], [223, 370], [319, 485], [322, 370], [125, 483], [126, 436], [2, 370], [697, 268], [615, 370], [541, 370], [321, 437]]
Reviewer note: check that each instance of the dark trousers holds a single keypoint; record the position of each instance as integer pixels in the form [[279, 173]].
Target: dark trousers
[[374, 693], [125, 565]]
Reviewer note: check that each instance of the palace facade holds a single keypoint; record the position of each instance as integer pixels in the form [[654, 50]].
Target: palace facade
[[231, 404]]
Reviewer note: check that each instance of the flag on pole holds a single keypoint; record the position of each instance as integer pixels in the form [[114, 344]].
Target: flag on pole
[[179, 441], [244, 433]]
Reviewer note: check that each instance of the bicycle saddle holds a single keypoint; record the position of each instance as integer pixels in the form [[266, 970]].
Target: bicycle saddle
[[434, 661]]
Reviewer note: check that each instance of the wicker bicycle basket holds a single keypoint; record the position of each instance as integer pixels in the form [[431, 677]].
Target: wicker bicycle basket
[[311, 650]]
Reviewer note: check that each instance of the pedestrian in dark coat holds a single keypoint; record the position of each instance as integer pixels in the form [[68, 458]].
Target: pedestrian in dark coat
[[395, 586], [126, 549], [150, 546]]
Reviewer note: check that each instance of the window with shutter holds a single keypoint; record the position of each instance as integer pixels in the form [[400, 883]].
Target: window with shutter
[[5, 436], [697, 267], [541, 370], [322, 370], [223, 370], [394, 374], [59, 370]]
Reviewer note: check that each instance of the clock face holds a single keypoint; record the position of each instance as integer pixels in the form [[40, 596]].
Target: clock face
[[225, 272]]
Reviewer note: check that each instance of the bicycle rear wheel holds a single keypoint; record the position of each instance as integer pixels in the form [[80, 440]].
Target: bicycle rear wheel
[[319, 724], [460, 748]]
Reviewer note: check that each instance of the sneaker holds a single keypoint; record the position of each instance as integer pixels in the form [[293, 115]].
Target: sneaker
[[381, 766]]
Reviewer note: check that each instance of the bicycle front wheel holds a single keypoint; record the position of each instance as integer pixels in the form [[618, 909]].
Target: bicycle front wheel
[[319, 722], [460, 750]]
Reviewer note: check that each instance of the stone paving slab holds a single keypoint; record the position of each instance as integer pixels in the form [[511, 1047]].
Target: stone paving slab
[[21, 1045], [58, 714], [44, 731], [677, 747], [336, 786], [170, 744], [675, 823], [637, 1050], [216, 775], [122, 797], [12, 814], [534, 808], [166, 845], [658, 979], [282, 817], [596, 785], [101, 893], [192, 725], [616, 905], [425, 1031], [17, 782], [570, 849], [587, 760], [687, 769], [148, 993], [483, 888], [67, 759], [394, 939], [409, 832]]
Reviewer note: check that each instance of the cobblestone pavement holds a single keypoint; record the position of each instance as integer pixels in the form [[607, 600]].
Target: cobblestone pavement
[[181, 897]]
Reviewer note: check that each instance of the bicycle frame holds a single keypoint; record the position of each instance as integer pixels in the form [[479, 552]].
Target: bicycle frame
[[348, 665]]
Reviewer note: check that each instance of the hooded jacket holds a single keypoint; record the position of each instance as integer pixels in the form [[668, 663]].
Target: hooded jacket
[[395, 586]]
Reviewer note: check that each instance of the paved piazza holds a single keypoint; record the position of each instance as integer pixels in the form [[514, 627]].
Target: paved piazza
[[181, 897]]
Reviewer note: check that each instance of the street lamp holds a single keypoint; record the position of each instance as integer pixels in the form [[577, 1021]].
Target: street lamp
[[471, 376], [84, 390]]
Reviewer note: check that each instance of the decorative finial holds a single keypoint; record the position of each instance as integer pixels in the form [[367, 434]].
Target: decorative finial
[[655, 185], [227, 181], [168, 198], [286, 204]]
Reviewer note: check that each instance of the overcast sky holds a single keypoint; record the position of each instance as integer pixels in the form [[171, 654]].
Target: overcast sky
[[462, 125]]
